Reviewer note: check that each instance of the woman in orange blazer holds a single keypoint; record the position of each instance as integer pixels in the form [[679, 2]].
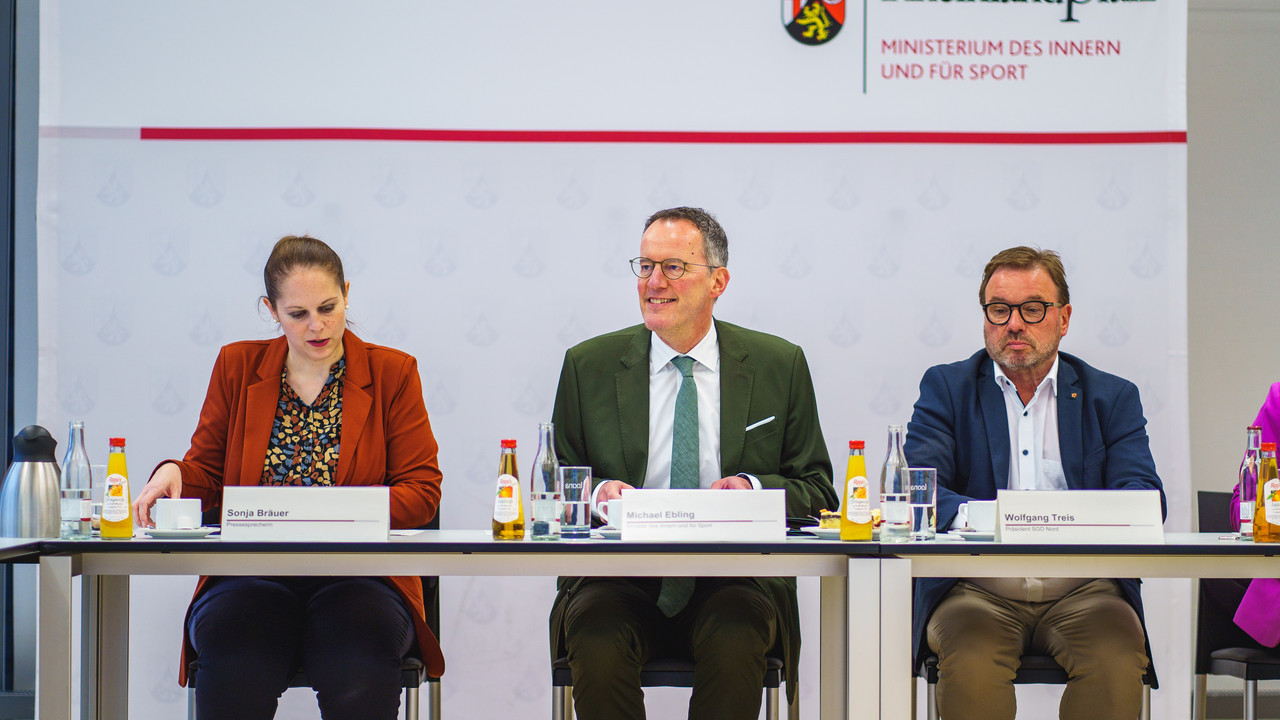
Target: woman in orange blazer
[[317, 406]]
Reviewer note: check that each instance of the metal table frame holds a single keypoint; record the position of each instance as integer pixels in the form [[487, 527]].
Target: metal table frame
[[1182, 555], [105, 568]]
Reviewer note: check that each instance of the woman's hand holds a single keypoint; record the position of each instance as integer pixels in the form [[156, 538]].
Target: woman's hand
[[165, 483]]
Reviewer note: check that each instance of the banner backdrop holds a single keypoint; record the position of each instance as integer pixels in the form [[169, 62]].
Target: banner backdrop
[[485, 170]]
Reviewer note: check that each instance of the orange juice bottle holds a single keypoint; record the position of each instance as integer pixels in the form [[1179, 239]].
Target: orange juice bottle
[[855, 521], [1266, 513], [508, 510], [117, 504]]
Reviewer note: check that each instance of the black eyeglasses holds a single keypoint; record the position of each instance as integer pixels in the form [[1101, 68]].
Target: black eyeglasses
[[673, 268], [1032, 311]]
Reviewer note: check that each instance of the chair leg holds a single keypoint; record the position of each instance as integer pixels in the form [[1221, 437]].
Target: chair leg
[[771, 704], [1146, 702], [931, 701], [913, 697], [562, 703], [191, 703], [411, 703], [433, 700], [1250, 700], [793, 706], [1199, 699]]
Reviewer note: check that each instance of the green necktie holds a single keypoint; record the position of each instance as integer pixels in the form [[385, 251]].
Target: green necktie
[[676, 592]]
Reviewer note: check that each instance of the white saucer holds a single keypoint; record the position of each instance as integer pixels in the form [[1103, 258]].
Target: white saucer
[[976, 535], [834, 533], [184, 534], [609, 533]]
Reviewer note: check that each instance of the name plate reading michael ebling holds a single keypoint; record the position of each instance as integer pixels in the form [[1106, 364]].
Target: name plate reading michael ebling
[[1079, 517], [306, 514], [707, 515]]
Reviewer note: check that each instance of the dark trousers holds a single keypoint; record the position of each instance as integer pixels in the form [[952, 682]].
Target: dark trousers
[[251, 634], [613, 626]]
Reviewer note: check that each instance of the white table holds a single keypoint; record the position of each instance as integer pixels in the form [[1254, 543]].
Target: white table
[[1182, 555], [106, 567]]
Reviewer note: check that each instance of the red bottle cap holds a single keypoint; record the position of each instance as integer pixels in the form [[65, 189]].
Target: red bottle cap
[[508, 443], [857, 444], [115, 442], [1268, 447]]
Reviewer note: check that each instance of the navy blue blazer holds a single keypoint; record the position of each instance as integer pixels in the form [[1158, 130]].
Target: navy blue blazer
[[960, 427]]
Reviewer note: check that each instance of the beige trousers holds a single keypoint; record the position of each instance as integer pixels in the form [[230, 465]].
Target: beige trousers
[[1092, 632]]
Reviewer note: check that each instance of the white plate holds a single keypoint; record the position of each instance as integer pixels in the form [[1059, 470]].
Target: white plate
[[977, 535], [834, 533], [186, 534]]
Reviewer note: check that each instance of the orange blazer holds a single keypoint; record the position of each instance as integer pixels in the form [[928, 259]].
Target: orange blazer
[[386, 440]]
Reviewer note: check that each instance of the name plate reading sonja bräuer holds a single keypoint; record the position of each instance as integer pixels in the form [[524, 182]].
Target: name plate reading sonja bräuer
[[740, 515], [306, 514], [1079, 517]]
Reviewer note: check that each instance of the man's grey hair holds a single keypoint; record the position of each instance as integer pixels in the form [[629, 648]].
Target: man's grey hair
[[715, 245]]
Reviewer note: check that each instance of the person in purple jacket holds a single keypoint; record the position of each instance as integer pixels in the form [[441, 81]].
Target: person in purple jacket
[[1255, 609]]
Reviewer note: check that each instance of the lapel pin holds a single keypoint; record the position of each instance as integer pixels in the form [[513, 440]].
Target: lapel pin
[[1073, 395]]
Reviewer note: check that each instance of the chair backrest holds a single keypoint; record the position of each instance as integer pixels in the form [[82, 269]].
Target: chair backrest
[[1032, 670], [431, 589], [665, 672], [1213, 510], [1215, 625]]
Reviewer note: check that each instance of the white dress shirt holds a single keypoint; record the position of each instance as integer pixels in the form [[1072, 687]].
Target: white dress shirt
[[664, 385], [1035, 463], [1035, 460]]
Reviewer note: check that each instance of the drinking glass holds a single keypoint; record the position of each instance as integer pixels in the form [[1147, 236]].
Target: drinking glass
[[575, 492], [546, 516], [98, 480], [922, 499]]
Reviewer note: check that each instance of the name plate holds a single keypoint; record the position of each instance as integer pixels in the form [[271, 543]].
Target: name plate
[[306, 514], [741, 515], [1079, 517]]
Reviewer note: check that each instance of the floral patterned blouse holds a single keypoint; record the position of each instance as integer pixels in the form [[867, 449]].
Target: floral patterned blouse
[[305, 438]]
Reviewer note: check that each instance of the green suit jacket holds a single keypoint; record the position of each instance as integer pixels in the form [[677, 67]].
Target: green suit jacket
[[602, 420]]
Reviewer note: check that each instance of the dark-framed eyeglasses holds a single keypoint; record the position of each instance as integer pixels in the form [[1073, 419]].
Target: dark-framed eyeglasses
[[1032, 311], [672, 268]]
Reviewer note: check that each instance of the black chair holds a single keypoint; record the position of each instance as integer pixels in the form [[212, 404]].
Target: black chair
[[1035, 670], [412, 672], [667, 672], [1222, 648]]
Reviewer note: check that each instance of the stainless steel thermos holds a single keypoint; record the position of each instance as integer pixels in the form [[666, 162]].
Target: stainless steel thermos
[[30, 498]]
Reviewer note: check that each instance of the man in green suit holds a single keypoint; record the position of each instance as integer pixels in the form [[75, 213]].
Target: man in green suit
[[685, 401]]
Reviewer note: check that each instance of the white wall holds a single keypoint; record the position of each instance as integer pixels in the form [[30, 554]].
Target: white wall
[[868, 256], [1233, 245]]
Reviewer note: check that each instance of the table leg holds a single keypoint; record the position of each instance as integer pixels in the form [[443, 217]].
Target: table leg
[[53, 653], [897, 682], [863, 639], [833, 648], [104, 657]]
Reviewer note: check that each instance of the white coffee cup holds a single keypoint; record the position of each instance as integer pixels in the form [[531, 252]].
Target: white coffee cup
[[611, 511], [979, 515], [176, 513]]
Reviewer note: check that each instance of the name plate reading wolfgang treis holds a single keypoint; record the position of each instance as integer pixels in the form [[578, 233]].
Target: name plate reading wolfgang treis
[[306, 514], [1079, 517], [740, 515]]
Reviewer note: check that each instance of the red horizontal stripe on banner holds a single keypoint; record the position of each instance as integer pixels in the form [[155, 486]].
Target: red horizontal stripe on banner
[[666, 136]]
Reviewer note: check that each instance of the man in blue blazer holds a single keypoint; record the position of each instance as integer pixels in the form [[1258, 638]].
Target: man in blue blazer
[[1021, 415]]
